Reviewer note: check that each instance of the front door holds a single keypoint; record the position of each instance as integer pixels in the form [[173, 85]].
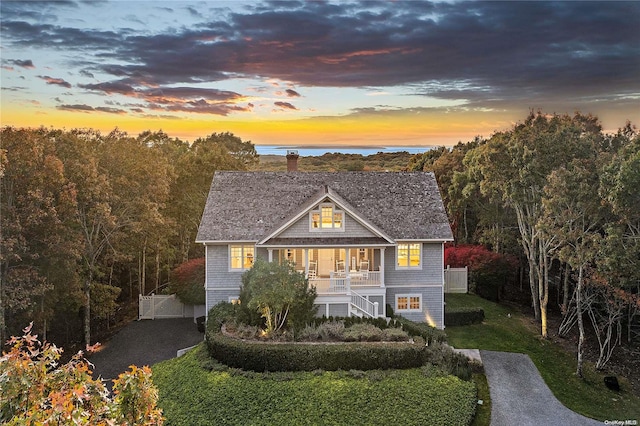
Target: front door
[[325, 261]]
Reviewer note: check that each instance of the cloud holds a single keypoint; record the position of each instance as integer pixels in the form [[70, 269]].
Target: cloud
[[55, 81], [472, 51], [89, 108], [285, 105], [27, 63]]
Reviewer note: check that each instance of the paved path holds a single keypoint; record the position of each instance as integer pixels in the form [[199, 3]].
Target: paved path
[[144, 343], [520, 397]]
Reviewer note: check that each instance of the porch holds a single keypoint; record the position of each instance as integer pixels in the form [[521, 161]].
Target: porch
[[336, 270]]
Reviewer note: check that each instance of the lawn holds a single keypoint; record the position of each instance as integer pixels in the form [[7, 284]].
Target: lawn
[[504, 329], [193, 389]]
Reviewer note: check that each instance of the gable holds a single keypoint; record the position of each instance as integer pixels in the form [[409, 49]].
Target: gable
[[251, 206]]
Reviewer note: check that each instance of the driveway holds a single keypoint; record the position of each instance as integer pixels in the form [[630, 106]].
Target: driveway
[[142, 343], [519, 396]]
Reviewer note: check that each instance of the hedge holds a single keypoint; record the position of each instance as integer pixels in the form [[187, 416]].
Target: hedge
[[263, 356], [463, 316], [429, 334]]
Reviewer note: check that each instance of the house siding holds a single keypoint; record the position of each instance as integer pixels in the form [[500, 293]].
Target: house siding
[[431, 273], [220, 283], [300, 229], [427, 282], [432, 304]]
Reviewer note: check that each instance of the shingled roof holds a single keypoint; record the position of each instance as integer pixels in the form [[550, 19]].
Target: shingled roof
[[248, 206]]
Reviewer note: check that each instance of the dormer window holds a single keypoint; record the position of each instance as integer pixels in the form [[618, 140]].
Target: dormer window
[[326, 218]]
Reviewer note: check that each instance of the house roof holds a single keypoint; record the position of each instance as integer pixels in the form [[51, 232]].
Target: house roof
[[250, 206]]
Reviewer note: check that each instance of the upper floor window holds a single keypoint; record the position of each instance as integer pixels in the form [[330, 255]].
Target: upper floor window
[[241, 256], [327, 218], [409, 255]]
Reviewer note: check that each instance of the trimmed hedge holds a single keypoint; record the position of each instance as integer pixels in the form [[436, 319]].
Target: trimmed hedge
[[259, 356], [420, 329], [463, 316]]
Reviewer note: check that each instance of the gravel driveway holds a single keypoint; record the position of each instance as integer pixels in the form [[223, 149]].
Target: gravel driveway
[[519, 395], [142, 343]]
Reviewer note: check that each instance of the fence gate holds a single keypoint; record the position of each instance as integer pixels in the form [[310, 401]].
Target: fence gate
[[160, 306], [455, 280]]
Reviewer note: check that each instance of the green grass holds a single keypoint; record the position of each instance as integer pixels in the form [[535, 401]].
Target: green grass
[[193, 389], [499, 332]]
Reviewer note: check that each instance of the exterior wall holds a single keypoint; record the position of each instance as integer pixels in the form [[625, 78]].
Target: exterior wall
[[352, 228], [220, 283], [427, 282], [432, 304]]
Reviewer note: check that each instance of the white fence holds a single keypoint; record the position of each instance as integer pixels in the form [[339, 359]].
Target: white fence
[[161, 306], [455, 280]]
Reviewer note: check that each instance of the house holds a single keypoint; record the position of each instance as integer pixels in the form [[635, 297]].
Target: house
[[363, 239]]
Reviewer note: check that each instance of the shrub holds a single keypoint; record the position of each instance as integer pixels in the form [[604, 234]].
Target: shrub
[[423, 330], [186, 281], [331, 331], [363, 333], [274, 290], [38, 389], [219, 314], [394, 335], [488, 270], [463, 316]]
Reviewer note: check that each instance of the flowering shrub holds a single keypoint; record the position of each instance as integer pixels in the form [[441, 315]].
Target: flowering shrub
[[37, 389]]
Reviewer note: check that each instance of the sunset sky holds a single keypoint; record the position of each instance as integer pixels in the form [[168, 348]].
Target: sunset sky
[[297, 73]]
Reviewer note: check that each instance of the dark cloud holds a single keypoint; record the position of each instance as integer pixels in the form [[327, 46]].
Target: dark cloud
[[473, 51], [292, 93], [89, 108], [28, 63], [285, 105], [55, 81]]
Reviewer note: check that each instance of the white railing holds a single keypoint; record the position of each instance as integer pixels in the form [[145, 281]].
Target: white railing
[[363, 305], [365, 279], [455, 280], [338, 283]]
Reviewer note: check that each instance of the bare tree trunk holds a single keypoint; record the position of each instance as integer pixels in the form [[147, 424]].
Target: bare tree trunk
[[580, 322], [157, 266], [144, 268], [565, 289], [87, 310]]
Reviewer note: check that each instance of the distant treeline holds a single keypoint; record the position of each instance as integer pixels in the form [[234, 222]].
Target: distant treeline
[[337, 162]]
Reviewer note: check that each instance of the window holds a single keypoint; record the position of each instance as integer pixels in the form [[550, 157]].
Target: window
[[241, 256], [409, 302], [326, 218], [409, 255]]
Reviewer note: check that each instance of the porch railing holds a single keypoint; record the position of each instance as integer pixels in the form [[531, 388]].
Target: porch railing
[[339, 283], [363, 305]]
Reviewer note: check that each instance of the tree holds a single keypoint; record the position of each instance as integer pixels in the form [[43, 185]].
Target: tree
[[573, 215], [187, 282], [514, 166], [37, 389], [273, 289], [37, 243]]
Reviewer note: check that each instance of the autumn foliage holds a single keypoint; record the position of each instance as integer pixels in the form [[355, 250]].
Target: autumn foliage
[[187, 282], [37, 389], [488, 270]]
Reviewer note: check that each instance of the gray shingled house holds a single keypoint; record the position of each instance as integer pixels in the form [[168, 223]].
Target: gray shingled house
[[363, 239]]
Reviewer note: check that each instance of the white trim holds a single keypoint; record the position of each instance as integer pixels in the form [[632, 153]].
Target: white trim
[[319, 200], [223, 289], [409, 267], [242, 256], [334, 211], [225, 242], [420, 296], [338, 246], [413, 285]]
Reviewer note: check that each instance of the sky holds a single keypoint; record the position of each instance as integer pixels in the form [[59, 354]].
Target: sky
[[317, 73]]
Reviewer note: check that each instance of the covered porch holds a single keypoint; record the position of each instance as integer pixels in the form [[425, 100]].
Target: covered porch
[[336, 270]]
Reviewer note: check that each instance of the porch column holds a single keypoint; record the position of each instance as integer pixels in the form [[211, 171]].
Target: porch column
[[382, 267], [305, 253], [270, 255]]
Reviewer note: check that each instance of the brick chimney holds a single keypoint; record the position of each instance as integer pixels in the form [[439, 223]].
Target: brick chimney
[[292, 160]]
